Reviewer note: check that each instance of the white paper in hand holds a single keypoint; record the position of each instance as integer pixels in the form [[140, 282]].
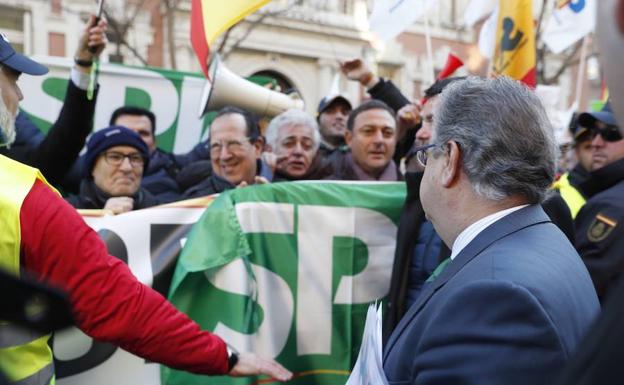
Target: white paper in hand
[[368, 369]]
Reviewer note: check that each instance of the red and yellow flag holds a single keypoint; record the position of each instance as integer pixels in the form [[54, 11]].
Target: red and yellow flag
[[210, 18], [514, 55]]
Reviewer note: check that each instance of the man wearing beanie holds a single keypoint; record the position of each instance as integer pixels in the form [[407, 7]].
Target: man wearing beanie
[[114, 164]]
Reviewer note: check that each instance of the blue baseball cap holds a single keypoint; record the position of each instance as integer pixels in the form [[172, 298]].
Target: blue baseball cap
[[12, 59], [606, 116]]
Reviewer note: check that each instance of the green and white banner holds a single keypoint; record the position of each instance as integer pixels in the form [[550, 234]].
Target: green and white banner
[[173, 96], [288, 270]]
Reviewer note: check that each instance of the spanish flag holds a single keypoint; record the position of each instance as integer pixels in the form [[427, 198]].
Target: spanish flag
[[514, 53], [210, 18]]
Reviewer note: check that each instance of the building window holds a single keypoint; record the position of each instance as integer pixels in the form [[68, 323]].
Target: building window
[[56, 44], [12, 26], [11, 18]]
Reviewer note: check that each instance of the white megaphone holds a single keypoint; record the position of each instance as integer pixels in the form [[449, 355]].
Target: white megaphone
[[225, 88]]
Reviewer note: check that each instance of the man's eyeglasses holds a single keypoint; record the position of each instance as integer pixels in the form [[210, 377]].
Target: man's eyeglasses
[[608, 132], [114, 158], [230, 145], [421, 153]]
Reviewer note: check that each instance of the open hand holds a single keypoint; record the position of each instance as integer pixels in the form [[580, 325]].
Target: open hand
[[250, 364]]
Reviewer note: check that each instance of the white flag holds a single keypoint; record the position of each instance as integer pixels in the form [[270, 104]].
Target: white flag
[[487, 36], [391, 17], [477, 10], [570, 21]]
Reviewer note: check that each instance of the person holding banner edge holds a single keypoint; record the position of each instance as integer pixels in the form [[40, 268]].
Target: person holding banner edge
[[45, 238]]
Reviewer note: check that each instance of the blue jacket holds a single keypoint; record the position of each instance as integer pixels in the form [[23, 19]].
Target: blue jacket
[[509, 309]]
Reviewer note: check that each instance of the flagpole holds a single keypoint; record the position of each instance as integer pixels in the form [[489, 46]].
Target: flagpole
[[581, 74], [429, 49]]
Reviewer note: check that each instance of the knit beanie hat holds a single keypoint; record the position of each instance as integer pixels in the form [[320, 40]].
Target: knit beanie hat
[[109, 137]]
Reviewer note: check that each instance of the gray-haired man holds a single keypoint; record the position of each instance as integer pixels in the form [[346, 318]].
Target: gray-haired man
[[294, 138], [514, 298]]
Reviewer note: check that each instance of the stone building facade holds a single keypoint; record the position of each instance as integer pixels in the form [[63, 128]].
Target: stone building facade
[[298, 42]]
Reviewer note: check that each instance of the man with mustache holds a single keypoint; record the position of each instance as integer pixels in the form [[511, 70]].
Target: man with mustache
[[599, 224]]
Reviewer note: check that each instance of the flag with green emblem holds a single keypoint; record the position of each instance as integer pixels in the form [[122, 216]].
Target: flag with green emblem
[[287, 270]]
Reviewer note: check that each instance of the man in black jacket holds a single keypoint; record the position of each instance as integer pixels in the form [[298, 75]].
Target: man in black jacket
[[55, 153]]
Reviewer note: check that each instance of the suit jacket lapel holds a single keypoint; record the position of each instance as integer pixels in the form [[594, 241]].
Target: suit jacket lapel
[[511, 223]]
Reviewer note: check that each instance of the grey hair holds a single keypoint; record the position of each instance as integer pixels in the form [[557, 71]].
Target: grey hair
[[292, 117], [506, 140]]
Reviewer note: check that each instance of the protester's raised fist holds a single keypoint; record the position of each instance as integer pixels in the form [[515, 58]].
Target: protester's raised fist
[[409, 115], [358, 70], [92, 41], [250, 364]]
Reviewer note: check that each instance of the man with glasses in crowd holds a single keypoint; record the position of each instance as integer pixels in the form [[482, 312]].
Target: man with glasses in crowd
[[115, 161], [235, 154], [599, 224], [513, 300]]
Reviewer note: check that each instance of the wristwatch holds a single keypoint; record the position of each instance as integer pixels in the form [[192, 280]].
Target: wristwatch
[[232, 357]]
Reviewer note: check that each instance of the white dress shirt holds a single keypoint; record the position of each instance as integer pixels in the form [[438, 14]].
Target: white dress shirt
[[470, 232]]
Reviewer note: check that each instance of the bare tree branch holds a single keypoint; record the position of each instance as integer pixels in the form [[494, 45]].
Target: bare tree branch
[[541, 51], [225, 39], [120, 30], [567, 62], [172, 7]]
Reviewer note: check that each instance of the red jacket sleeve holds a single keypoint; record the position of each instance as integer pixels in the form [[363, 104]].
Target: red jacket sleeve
[[109, 303]]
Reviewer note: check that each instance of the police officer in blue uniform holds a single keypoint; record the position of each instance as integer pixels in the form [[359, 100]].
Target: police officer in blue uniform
[[600, 223]]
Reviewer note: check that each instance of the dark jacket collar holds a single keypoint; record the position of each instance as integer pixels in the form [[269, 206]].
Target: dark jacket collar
[[578, 175], [519, 219], [603, 178], [319, 169], [91, 197]]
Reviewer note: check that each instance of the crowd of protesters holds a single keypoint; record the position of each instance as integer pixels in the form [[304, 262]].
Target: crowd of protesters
[[385, 138], [123, 169]]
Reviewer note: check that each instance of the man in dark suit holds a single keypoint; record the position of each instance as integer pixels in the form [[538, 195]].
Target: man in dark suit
[[513, 300]]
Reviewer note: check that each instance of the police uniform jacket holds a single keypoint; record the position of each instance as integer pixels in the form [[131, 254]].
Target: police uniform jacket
[[599, 227]]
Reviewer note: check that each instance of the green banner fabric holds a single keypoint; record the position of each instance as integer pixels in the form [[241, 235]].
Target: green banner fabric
[[287, 270]]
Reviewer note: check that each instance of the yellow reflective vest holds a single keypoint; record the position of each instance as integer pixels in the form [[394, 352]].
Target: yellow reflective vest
[[25, 357], [570, 194]]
